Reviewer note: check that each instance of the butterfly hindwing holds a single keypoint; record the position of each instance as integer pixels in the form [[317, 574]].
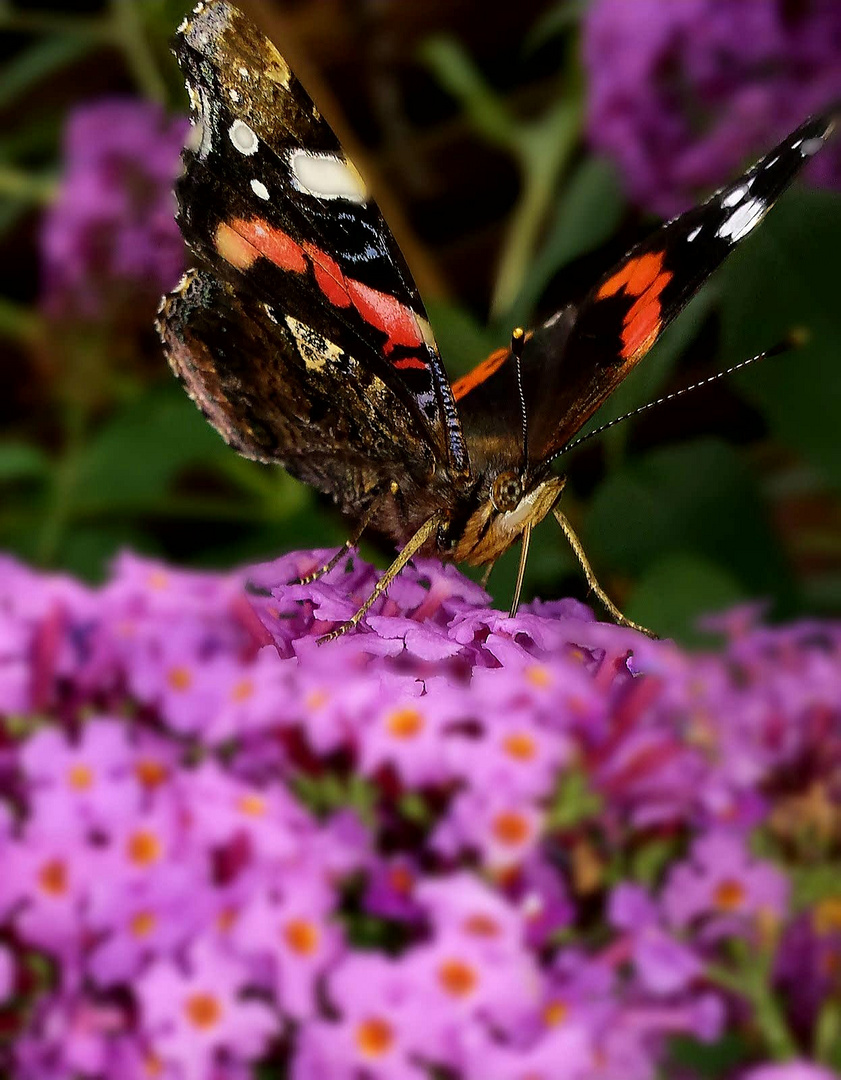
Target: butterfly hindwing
[[271, 203], [279, 391]]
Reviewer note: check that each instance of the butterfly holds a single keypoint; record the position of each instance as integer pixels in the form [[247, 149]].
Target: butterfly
[[303, 339]]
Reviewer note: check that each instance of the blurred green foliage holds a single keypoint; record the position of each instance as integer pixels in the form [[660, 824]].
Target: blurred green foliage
[[673, 530]]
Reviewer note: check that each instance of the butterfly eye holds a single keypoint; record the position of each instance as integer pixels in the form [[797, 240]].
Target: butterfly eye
[[506, 491]]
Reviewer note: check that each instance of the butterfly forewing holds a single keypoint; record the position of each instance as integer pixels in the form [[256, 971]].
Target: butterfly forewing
[[271, 203], [623, 316], [572, 363]]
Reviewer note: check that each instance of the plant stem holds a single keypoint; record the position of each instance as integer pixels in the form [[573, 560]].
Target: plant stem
[[130, 35], [751, 981], [17, 184], [544, 150]]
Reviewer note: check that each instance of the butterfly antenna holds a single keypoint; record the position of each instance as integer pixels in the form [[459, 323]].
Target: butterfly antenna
[[518, 340], [795, 339]]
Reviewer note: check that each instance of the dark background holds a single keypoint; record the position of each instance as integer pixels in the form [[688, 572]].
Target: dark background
[[729, 494]]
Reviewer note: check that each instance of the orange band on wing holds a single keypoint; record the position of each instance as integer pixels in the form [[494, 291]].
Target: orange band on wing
[[481, 372], [642, 277], [241, 242], [635, 276]]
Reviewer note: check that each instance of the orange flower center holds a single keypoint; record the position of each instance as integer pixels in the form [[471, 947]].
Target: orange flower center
[[520, 745], [242, 690], [316, 698], [458, 978], [555, 1013], [401, 880], [203, 1010], [142, 923], [538, 676], [252, 804], [226, 919], [53, 877], [180, 678], [729, 895], [152, 1065], [374, 1037], [149, 773], [144, 848], [301, 936], [80, 776], [404, 723], [511, 828], [481, 925]]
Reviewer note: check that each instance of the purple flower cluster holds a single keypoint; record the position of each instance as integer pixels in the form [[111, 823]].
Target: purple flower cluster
[[684, 94], [452, 843], [110, 237]]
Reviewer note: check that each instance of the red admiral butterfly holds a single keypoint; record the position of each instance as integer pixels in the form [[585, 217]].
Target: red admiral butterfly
[[304, 340]]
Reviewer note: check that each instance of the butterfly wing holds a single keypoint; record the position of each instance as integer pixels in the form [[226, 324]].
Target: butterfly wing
[[572, 363], [271, 204], [277, 390]]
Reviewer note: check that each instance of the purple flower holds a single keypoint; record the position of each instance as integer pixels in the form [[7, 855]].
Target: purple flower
[[110, 243], [682, 95], [722, 883], [7, 974], [190, 1014], [452, 840]]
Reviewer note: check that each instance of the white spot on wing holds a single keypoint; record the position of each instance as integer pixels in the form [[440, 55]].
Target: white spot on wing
[[742, 220], [327, 177], [259, 189], [810, 146], [693, 234], [244, 73], [735, 196], [243, 138], [234, 95]]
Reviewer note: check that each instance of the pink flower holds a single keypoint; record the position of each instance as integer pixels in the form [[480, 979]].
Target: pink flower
[[190, 1015], [293, 927], [721, 882]]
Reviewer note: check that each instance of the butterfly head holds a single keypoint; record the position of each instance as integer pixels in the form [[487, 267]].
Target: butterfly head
[[508, 501]]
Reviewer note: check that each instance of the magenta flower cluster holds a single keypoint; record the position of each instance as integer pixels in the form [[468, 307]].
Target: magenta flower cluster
[[109, 241], [683, 94], [450, 844]]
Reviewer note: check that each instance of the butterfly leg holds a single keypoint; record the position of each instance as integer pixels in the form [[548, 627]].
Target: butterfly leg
[[414, 545], [578, 549], [349, 544]]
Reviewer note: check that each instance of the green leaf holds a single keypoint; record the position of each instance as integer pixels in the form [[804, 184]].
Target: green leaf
[[456, 71], [42, 59], [589, 212], [719, 1058], [462, 339], [22, 461], [696, 497], [558, 20], [678, 588], [786, 277], [137, 455]]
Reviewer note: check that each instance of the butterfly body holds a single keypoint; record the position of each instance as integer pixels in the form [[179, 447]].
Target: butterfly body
[[304, 340]]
